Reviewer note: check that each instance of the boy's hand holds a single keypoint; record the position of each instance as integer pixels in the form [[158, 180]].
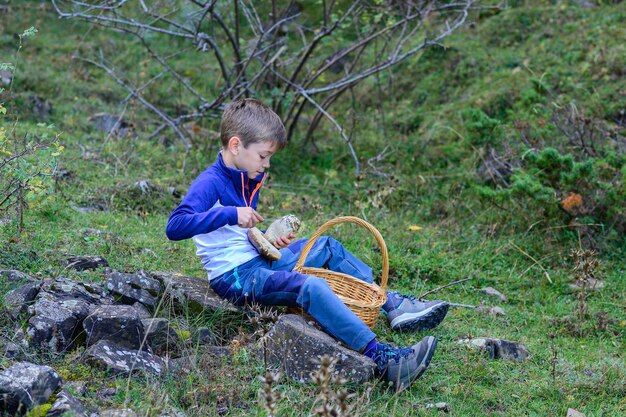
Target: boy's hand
[[284, 241], [248, 217]]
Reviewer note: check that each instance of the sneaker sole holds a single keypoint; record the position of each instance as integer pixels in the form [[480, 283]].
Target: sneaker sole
[[424, 320], [423, 366]]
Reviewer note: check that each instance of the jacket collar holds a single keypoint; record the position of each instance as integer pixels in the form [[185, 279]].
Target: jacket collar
[[235, 175]]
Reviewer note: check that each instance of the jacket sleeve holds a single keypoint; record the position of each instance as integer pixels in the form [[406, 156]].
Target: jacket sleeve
[[196, 214]]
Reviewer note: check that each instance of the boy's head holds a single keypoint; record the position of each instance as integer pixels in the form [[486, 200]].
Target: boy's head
[[251, 133], [252, 122]]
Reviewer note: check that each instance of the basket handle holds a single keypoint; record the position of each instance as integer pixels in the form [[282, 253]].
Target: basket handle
[[359, 222]]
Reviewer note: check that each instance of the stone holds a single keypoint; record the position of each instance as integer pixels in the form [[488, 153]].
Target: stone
[[16, 277], [12, 350], [112, 124], [123, 360], [498, 348], [161, 337], [574, 413], [294, 346], [119, 324], [25, 385], [118, 412], [66, 403], [55, 324], [83, 263], [143, 312], [192, 293], [131, 288], [40, 107], [588, 284], [204, 336], [6, 76], [63, 288], [195, 362], [16, 301], [492, 291], [445, 407], [492, 311]]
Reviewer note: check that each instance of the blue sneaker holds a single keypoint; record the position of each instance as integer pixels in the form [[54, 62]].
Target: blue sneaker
[[405, 313], [402, 366]]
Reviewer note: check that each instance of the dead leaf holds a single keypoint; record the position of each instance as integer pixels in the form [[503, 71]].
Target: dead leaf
[[415, 228]]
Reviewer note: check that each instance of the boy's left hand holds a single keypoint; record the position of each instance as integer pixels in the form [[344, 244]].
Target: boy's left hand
[[284, 241]]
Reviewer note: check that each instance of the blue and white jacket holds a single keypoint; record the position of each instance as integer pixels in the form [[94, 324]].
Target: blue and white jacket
[[208, 214]]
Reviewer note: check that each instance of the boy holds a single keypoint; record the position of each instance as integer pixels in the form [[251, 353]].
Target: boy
[[221, 205]]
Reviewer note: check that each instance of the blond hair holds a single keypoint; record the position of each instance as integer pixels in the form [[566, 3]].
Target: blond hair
[[252, 122]]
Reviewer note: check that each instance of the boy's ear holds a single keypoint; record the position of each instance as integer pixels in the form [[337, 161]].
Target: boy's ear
[[234, 143]]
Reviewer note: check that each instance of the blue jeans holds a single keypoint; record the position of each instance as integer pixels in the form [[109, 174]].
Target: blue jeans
[[275, 283]]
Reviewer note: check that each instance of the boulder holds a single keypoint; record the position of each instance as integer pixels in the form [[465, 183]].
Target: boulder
[[119, 324], [25, 385], [14, 276], [192, 293], [161, 337], [16, 301], [63, 288], [498, 348], [123, 360], [132, 288], [295, 346], [67, 405], [55, 324], [82, 263]]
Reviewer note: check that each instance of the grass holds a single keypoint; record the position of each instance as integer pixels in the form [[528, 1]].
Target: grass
[[507, 64]]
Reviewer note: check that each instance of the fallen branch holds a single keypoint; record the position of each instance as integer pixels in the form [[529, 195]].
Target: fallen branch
[[444, 286]]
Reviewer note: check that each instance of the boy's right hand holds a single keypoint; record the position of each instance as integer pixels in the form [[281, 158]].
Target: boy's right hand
[[248, 217]]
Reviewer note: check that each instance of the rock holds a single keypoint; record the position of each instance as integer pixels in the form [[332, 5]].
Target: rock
[[16, 301], [142, 310], [122, 360], [12, 350], [494, 292], [64, 289], [25, 385], [492, 311], [118, 412], [76, 387], [171, 412], [588, 284], [295, 346], [574, 413], [131, 288], [6, 76], [41, 107], [204, 336], [145, 187], [112, 124], [445, 407], [16, 277], [498, 348], [161, 337], [195, 362], [119, 324], [55, 324], [192, 293], [82, 263], [66, 403]]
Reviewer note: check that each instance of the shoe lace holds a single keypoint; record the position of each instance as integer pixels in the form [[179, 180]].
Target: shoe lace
[[386, 352], [399, 295]]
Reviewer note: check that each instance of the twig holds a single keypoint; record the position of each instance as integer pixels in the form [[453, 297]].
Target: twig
[[462, 305], [444, 286]]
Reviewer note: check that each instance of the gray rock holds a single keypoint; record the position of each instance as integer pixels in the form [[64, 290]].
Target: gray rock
[[122, 360], [195, 362], [118, 412], [143, 312], [161, 337], [131, 288], [25, 385], [192, 293], [204, 336], [492, 311], [63, 288], [82, 263], [6, 76], [55, 324], [492, 291], [294, 345], [67, 403], [41, 107], [14, 276], [112, 124], [498, 348], [117, 323], [12, 350], [16, 301]]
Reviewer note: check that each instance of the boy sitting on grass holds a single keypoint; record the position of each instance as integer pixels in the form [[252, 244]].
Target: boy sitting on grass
[[221, 205]]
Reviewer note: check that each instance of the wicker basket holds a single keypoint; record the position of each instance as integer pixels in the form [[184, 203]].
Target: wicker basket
[[362, 298]]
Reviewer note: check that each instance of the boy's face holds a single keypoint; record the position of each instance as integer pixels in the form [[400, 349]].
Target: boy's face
[[254, 159]]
